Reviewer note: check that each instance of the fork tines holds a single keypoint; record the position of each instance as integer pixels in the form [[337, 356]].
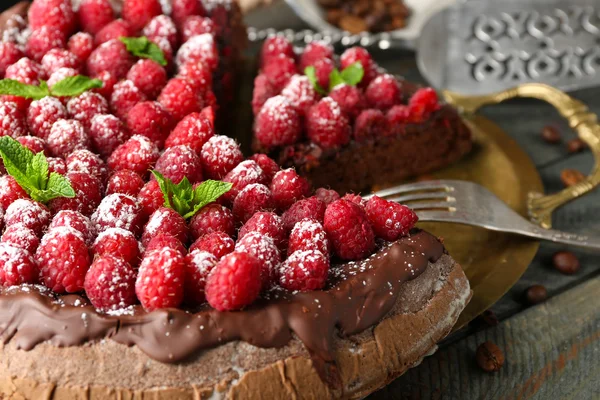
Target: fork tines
[[430, 195]]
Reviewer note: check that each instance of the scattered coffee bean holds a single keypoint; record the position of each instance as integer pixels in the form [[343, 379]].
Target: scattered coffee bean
[[489, 357], [566, 262], [576, 145], [570, 177], [356, 16], [550, 134], [487, 318], [536, 294]]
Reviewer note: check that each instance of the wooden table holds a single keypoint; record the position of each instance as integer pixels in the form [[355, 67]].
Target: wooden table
[[552, 350]]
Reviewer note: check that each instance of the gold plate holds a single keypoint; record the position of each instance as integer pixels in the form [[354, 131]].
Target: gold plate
[[492, 261]]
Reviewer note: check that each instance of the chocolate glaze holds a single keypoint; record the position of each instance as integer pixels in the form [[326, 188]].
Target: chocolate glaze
[[358, 296]]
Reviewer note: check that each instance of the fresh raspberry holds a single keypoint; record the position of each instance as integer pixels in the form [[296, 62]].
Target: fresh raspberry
[[234, 283], [383, 92], [350, 99], [85, 106], [165, 220], [149, 77], [77, 221], [288, 187], [349, 231], [113, 31], [22, 237], [267, 224], [323, 69], [160, 279], [369, 124], [355, 198], [59, 75], [212, 218], [242, 175], [315, 51], [305, 271], [199, 265], [111, 56], [209, 114], [279, 71], [10, 53], [423, 103], [108, 84], [119, 211], [310, 208], [33, 143], [193, 131], [218, 244], [89, 163], [195, 25], [56, 164], [88, 194], [219, 156], [278, 123], [139, 12], [29, 213], [94, 15], [161, 26], [57, 14], [167, 50], [179, 98], [164, 240], [60, 58], [327, 196], [110, 283], [389, 219], [137, 154], [63, 259], [181, 9], [200, 49], [118, 242], [42, 40], [267, 164], [263, 91], [198, 75], [151, 198], [17, 266], [125, 182], [359, 54], [125, 97], [25, 71], [66, 136], [10, 191], [151, 120], [300, 93], [274, 47], [107, 132], [263, 248], [396, 117], [179, 162], [253, 198], [81, 44], [308, 234], [327, 125], [12, 122]]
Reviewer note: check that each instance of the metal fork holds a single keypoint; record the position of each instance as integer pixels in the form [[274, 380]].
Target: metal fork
[[468, 203]]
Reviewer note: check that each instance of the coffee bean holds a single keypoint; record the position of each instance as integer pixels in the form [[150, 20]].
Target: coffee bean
[[489, 357], [356, 16], [536, 294], [353, 24], [566, 262], [550, 134], [571, 177], [487, 318], [576, 145]]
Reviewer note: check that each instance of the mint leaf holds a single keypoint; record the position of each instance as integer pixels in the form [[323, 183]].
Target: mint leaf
[[74, 86], [353, 74], [165, 187], [311, 74], [58, 186], [16, 159], [16, 88], [335, 78], [208, 192], [38, 169], [144, 48]]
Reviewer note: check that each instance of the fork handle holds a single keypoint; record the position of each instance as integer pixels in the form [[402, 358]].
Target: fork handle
[[572, 239]]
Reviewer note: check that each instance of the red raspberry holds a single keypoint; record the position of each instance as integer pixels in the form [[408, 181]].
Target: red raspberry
[[149, 77], [200, 49], [139, 12], [219, 156], [33, 143], [308, 234], [349, 230], [242, 175], [279, 71], [57, 165], [252, 199], [383, 92], [369, 124], [108, 84], [119, 211], [111, 56], [354, 198], [81, 44], [42, 114], [60, 58], [181, 9], [59, 75], [268, 165], [151, 120], [198, 75], [17, 266], [323, 69], [88, 194], [218, 244], [137, 154], [94, 15], [195, 25], [263, 248], [57, 14], [10, 191], [164, 240], [305, 271], [274, 47], [160, 280], [199, 265], [288, 187], [193, 131], [212, 218], [167, 221], [118, 242], [89, 163], [209, 114], [315, 51], [42, 40], [389, 219], [300, 93], [161, 26], [29, 213], [310, 208], [125, 182], [9, 54], [350, 99], [66, 136], [422, 103], [124, 97], [234, 283], [113, 31], [327, 196], [359, 54], [25, 71], [63, 259], [110, 283], [77, 221], [268, 224], [396, 117], [180, 98], [179, 162], [107, 133], [263, 91], [151, 198], [278, 123], [167, 50], [12, 122], [326, 124], [85, 106], [22, 237]]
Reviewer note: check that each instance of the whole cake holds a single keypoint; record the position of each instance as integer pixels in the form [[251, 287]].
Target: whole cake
[[143, 256]]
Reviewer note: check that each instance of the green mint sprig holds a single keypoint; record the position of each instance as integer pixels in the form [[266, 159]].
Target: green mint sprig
[[351, 75], [31, 172], [144, 48], [68, 87], [186, 200]]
